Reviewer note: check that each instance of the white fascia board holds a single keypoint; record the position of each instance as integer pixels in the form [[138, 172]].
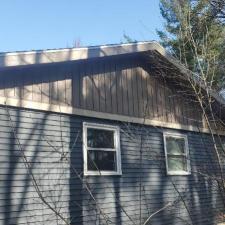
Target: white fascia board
[[71, 54]]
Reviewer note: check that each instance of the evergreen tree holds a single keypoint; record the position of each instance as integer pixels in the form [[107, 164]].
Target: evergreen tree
[[195, 35]]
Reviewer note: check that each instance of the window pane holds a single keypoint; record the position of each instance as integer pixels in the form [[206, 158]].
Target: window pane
[[178, 163], [101, 160], [175, 145], [97, 138]]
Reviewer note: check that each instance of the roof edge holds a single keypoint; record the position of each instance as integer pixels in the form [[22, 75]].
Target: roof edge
[[70, 54]]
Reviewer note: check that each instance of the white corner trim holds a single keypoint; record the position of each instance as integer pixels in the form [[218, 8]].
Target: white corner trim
[[101, 115]]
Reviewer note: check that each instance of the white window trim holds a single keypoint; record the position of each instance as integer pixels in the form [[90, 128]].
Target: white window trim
[[188, 172], [116, 130]]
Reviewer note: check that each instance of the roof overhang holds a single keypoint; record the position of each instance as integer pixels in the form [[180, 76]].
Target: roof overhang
[[70, 54]]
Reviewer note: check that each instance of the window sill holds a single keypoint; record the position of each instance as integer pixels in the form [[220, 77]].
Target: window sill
[[177, 173], [102, 173]]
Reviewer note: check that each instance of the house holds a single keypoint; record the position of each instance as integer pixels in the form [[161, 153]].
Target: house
[[107, 135]]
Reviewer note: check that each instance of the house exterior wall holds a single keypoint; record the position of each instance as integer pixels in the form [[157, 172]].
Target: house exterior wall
[[122, 85], [52, 144]]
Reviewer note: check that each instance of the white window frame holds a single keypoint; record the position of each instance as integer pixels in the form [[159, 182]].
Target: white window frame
[[116, 131], [187, 155]]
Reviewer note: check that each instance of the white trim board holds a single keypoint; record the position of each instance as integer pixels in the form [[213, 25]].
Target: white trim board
[[94, 114], [70, 54]]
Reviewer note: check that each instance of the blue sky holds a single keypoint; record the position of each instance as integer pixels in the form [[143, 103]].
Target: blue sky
[[42, 24]]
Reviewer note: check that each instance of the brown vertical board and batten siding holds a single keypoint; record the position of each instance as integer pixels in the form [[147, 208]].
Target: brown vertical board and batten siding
[[68, 96], [152, 82], [89, 86], [95, 79], [130, 90], [145, 94], [162, 97], [167, 106], [82, 86], [120, 85], [119, 93], [75, 86], [60, 87], [37, 87], [149, 97], [124, 89], [28, 86], [139, 92], [45, 92], [108, 94], [111, 90], [135, 91], [101, 87]]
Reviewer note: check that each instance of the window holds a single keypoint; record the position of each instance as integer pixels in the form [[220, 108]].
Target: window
[[101, 149], [177, 154]]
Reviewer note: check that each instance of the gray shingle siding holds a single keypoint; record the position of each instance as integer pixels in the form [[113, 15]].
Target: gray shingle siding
[[117, 196]]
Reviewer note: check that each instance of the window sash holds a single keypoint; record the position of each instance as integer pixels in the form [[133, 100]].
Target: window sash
[[179, 161], [95, 163], [116, 133], [176, 150], [112, 131], [185, 155]]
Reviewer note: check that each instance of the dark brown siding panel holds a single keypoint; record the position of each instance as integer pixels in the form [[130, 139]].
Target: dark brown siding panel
[[89, 87], [45, 92], [82, 86], [53, 91], [61, 84], [139, 92], [185, 115], [160, 101], [155, 98], [108, 87], [114, 92], [124, 90], [119, 89], [168, 104], [76, 87], [173, 105], [162, 95], [37, 87], [101, 87], [145, 93], [96, 92], [68, 92], [130, 91], [150, 96], [27, 92], [135, 92]]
